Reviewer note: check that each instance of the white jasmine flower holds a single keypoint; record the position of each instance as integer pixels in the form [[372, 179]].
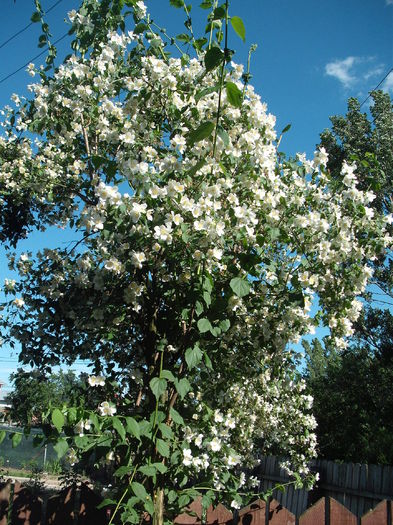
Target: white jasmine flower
[[96, 381], [187, 457], [107, 409], [18, 302], [214, 445], [138, 258]]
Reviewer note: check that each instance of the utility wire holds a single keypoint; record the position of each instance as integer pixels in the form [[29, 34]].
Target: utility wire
[[376, 87], [31, 60], [28, 25]]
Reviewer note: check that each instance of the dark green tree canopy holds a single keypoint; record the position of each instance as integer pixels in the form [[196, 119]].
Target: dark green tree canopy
[[353, 396]]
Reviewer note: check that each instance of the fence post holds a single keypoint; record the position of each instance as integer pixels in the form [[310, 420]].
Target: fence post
[[327, 510], [10, 504]]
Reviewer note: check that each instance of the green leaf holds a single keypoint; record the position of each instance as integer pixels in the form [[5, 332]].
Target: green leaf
[[98, 161], [287, 128], [183, 37], [167, 374], [225, 325], [158, 386], [160, 467], [185, 59], [191, 172], [148, 470], [16, 439], [72, 415], [208, 362], [274, 233], [177, 3], [166, 431], [118, 426], [58, 419], [204, 325], [194, 355], [176, 417], [145, 428], [213, 57], [94, 419], [207, 284], [106, 503], [172, 496], [82, 442], [220, 12], [206, 91], [162, 448], [61, 447], [183, 501], [35, 17], [140, 28], [240, 287], [149, 507], [202, 132], [2, 435], [122, 471], [198, 308], [139, 490], [297, 299], [208, 298], [183, 387], [132, 427], [216, 331], [238, 26], [234, 95], [207, 499]]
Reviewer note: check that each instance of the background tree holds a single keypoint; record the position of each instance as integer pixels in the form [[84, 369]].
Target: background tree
[[34, 393], [352, 399]]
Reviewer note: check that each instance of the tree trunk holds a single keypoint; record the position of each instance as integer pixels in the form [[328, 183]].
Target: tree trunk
[[158, 518]]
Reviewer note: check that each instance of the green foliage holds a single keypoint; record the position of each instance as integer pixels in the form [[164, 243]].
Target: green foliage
[[213, 58], [238, 26], [353, 403], [240, 287], [352, 397], [33, 393]]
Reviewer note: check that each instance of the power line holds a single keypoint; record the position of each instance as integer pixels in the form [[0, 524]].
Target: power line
[[376, 87], [28, 25], [31, 60]]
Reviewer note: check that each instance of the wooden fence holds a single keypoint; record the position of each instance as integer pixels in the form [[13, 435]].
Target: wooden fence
[[18, 506], [347, 494], [359, 488]]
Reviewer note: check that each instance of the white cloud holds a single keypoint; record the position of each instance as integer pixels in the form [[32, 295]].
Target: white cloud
[[341, 70], [375, 72], [359, 74], [388, 84]]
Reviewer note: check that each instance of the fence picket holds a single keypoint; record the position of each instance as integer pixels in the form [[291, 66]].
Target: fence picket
[[340, 514], [253, 514], [377, 516], [314, 515], [279, 515]]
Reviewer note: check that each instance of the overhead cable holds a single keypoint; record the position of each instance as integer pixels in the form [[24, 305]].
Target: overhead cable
[[27, 27], [376, 87], [31, 60]]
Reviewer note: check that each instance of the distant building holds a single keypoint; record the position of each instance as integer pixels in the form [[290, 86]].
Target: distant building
[[3, 404]]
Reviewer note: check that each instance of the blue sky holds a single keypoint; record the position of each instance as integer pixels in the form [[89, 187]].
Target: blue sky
[[311, 56]]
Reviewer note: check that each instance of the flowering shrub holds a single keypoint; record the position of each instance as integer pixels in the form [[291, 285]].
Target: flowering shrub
[[199, 253]]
